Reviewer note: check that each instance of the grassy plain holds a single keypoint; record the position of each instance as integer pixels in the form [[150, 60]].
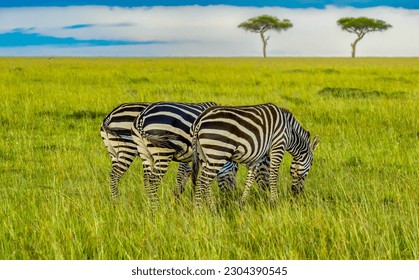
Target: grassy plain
[[361, 199]]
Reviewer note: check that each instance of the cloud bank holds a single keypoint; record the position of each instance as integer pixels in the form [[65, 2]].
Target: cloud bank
[[197, 31]]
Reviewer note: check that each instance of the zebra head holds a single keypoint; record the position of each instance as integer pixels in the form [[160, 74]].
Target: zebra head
[[301, 164]]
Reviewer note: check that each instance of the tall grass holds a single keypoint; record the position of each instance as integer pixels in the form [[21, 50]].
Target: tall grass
[[361, 197]]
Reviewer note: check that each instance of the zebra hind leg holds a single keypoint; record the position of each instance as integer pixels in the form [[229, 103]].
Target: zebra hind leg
[[182, 176], [115, 176], [118, 169], [148, 180], [203, 190], [153, 181], [151, 185]]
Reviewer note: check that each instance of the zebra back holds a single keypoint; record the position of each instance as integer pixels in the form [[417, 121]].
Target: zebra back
[[119, 121], [167, 125], [115, 129]]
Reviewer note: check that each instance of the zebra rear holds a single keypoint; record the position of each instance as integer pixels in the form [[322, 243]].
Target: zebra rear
[[116, 135], [162, 134]]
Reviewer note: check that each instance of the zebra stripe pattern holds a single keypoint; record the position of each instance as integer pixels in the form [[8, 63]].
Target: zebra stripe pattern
[[162, 134], [249, 135], [116, 134]]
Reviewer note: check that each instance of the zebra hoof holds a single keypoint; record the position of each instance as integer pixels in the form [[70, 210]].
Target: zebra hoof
[[197, 206], [296, 190], [115, 200], [273, 202], [213, 209]]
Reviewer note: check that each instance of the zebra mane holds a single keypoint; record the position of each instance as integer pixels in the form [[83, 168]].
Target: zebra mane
[[285, 110], [296, 124], [298, 130]]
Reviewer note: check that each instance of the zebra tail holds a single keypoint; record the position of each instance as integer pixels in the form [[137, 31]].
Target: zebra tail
[[195, 166], [105, 128], [163, 141], [196, 162]]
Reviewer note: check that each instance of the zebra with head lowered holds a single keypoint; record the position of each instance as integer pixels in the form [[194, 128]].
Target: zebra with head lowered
[[161, 134], [116, 135], [249, 134]]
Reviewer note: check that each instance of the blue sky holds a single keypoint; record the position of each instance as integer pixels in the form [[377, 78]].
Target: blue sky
[[409, 4], [199, 28]]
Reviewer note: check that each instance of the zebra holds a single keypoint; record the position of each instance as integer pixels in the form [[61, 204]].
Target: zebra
[[162, 134], [249, 134], [115, 131]]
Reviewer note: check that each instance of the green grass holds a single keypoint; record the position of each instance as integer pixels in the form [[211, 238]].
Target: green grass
[[361, 198]]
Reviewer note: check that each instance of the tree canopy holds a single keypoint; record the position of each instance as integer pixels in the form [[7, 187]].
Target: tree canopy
[[262, 24], [361, 26]]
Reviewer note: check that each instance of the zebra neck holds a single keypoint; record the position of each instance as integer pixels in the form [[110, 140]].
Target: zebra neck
[[299, 140]]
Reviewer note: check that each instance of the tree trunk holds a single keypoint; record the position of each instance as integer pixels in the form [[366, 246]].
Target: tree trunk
[[264, 48], [265, 43], [353, 45]]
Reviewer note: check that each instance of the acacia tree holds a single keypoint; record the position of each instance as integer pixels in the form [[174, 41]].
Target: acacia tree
[[361, 26], [261, 24]]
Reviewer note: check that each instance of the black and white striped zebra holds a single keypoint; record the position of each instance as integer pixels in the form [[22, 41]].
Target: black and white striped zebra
[[116, 135], [249, 134], [162, 134]]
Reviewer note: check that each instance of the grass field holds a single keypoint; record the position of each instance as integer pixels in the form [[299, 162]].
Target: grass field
[[361, 198]]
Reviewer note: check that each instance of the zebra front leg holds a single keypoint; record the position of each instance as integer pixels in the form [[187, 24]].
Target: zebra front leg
[[276, 159], [273, 180], [262, 174], [297, 186], [250, 178]]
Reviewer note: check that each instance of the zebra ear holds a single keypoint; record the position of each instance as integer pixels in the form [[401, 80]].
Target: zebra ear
[[314, 143]]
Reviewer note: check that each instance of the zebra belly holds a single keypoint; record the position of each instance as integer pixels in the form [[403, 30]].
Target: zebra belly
[[245, 155]]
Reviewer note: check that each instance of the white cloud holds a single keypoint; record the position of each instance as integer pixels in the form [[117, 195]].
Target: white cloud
[[210, 31]]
